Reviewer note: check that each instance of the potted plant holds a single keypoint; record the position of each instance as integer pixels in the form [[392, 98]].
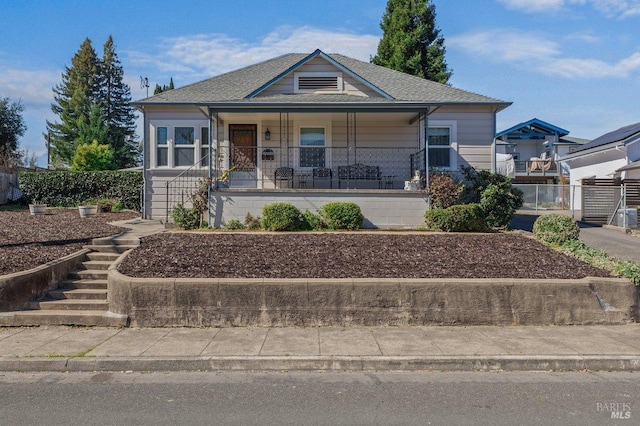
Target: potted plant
[[37, 208], [105, 205], [223, 180], [88, 208]]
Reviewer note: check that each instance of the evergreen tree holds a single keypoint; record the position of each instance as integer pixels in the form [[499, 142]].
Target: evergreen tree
[[163, 88], [411, 42], [119, 115], [73, 98], [11, 128], [88, 82], [92, 129]]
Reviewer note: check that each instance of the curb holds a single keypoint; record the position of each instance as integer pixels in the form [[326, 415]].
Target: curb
[[510, 363]]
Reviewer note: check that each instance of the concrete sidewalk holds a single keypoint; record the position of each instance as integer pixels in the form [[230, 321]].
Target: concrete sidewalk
[[456, 348]]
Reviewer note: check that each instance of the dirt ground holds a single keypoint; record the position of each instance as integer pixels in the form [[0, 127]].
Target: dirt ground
[[350, 255], [28, 241]]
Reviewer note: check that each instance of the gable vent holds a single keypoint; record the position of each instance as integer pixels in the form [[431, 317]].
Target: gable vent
[[318, 82]]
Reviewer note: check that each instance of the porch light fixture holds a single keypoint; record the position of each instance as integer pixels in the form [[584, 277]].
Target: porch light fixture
[[267, 135]]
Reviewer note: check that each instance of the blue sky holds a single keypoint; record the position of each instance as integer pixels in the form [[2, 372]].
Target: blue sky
[[573, 63]]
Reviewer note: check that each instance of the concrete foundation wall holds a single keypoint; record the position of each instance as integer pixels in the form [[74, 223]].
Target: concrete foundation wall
[[21, 287], [387, 210], [318, 302]]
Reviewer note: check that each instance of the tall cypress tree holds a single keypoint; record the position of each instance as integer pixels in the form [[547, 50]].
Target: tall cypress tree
[[411, 42], [73, 99], [118, 113]]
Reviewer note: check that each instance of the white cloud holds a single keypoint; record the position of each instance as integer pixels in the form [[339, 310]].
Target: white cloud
[[534, 52], [506, 45], [206, 55], [610, 8], [32, 87]]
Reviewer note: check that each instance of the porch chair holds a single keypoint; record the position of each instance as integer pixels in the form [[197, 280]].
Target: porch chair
[[284, 174], [323, 173]]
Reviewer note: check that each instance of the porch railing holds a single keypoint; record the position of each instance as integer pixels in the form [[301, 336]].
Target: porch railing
[[536, 168], [256, 167], [180, 189]]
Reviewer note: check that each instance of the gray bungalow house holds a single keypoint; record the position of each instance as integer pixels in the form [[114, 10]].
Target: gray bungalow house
[[309, 129]]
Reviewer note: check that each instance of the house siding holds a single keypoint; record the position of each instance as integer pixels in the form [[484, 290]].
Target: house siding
[[351, 85], [601, 166]]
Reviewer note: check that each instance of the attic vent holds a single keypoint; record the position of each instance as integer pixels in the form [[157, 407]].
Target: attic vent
[[318, 82]]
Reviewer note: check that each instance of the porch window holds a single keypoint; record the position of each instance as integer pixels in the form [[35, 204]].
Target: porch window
[[440, 147], [312, 147], [162, 153], [204, 146], [184, 146]]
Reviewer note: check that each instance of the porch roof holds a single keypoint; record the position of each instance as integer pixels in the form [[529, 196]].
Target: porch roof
[[243, 86]]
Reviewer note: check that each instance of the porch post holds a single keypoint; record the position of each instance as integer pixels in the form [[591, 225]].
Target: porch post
[[426, 154]]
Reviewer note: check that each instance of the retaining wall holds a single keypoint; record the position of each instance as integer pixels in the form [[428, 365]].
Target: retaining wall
[[21, 287], [325, 302]]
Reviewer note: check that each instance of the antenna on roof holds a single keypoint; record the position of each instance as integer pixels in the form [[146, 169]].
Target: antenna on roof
[[144, 83]]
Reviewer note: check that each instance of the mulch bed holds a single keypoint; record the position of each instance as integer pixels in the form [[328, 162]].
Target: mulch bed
[[28, 241], [350, 255]]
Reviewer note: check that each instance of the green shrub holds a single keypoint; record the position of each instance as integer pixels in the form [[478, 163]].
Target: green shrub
[[499, 199], [341, 215], [600, 259], [185, 218], [252, 223], [500, 202], [281, 217], [70, 189], [555, 229], [235, 225], [457, 218], [443, 190], [312, 221]]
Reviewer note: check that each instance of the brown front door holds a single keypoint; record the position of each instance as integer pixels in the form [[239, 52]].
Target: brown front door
[[244, 143]]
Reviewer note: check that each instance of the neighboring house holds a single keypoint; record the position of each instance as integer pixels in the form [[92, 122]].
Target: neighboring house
[[308, 129], [536, 147], [613, 156]]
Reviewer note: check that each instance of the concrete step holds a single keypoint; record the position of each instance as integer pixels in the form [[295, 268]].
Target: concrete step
[[88, 274], [96, 255], [83, 294], [96, 265], [111, 248], [110, 241], [81, 318], [69, 305], [72, 284]]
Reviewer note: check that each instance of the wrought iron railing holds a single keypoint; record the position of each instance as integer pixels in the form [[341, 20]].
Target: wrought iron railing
[[180, 189], [319, 167]]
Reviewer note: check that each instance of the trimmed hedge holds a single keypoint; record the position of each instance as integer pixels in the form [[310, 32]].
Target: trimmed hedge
[[70, 189], [457, 218], [555, 229]]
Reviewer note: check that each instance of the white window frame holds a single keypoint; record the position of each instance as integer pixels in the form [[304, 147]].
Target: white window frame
[[171, 145], [452, 125], [297, 75], [326, 125]]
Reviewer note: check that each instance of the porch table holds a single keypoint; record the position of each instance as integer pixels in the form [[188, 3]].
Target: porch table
[[302, 179], [388, 181]]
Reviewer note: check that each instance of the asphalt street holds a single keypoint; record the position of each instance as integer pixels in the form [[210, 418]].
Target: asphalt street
[[286, 398]]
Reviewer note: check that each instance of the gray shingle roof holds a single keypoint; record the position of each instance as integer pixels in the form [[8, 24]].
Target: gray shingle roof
[[236, 86]]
